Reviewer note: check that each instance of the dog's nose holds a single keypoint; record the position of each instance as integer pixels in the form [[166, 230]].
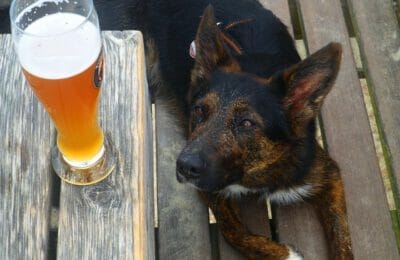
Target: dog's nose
[[190, 166]]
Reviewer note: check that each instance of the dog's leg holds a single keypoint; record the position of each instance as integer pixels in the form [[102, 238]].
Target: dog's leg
[[331, 208], [252, 246]]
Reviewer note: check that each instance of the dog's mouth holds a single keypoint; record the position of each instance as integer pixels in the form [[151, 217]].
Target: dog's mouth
[[181, 177], [209, 181], [199, 183], [191, 182]]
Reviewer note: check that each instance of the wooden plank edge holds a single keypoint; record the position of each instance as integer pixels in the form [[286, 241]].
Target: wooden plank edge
[[378, 145], [143, 239]]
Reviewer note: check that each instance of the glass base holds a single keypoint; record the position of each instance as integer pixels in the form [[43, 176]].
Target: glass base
[[86, 174], [88, 164]]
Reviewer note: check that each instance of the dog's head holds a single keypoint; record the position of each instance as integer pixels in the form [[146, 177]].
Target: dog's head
[[242, 125]]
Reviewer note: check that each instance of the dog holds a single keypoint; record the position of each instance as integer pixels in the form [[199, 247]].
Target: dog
[[249, 105]]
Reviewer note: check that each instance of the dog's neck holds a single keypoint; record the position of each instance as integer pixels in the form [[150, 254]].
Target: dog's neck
[[288, 191], [290, 171]]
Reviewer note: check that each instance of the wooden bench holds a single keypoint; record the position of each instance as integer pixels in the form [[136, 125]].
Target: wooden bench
[[121, 219]]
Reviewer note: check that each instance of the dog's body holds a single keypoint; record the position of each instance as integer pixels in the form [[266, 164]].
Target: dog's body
[[249, 105]]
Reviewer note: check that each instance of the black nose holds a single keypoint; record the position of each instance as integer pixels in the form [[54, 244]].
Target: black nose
[[190, 166]]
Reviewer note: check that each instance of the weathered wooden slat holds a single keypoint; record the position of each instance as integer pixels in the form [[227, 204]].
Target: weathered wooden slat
[[349, 138], [182, 216], [25, 171], [378, 34], [114, 219]]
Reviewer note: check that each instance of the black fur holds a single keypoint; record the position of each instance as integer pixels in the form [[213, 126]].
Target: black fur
[[267, 46]]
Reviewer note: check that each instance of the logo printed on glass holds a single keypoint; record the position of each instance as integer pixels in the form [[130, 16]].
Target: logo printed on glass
[[98, 71]]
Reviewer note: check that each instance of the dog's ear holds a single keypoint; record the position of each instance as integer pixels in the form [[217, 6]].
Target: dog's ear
[[308, 82], [211, 51]]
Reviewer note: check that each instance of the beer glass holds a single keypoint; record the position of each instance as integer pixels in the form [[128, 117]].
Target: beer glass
[[58, 44]]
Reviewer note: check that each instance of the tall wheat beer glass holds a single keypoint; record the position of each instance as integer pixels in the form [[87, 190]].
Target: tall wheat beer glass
[[59, 48]]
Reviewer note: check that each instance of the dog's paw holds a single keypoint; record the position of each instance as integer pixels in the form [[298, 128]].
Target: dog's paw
[[294, 255]]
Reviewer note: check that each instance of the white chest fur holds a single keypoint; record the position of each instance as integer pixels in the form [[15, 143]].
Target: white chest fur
[[283, 196], [290, 195], [236, 191]]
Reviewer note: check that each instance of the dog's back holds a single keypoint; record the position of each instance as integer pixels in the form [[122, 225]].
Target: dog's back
[[266, 46]]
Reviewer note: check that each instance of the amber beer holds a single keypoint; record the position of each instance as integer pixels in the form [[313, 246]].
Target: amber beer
[[72, 104], [65, 73]]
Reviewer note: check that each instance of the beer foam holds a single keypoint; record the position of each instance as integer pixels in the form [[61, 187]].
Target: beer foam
[[37, 4], [59, 46]]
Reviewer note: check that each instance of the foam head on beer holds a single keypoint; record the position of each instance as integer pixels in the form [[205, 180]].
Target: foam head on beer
[[59, 45]]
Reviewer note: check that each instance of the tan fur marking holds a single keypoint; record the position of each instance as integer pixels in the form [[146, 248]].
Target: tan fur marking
[[231, 43], [263, 80], [232, 67], [269, 153], [242, 105], [211, 103], [235, 23]]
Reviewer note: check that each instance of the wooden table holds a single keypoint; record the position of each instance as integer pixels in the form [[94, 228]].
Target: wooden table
[[110, 220]]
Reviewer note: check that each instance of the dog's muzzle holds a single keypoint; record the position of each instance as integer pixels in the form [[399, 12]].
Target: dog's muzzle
[[189, 167]]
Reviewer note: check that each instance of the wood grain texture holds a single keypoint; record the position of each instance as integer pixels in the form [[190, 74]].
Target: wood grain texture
[[25, 169], [378, 34], [349, 138], [182, 216], [114, 219]]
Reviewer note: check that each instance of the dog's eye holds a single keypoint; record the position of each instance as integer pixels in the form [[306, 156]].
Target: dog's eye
[[198, 111], [199, 115], [246, 123]]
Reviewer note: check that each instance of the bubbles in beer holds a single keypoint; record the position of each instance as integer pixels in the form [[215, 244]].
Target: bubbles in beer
[[59, 46]]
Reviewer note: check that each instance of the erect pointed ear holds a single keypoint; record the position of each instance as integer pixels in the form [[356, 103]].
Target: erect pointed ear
[[211, 50], [308, 82]]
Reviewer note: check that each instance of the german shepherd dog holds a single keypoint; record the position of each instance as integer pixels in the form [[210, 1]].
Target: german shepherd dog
[[249, 105]]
